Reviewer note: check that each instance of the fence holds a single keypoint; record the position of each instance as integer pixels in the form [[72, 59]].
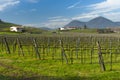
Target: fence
[[69, 50]]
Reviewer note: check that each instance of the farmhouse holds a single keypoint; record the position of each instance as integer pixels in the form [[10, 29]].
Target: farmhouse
[[62, 29], [67, 28], [16, 29]]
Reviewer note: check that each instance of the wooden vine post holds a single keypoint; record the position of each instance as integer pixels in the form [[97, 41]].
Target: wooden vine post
[[6, 44], [14, 45], [36, 49], [63, 55], [20, 46], [111, 55], [101, 61]]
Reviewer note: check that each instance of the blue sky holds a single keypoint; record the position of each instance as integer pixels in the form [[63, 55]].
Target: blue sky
[[57, 13]]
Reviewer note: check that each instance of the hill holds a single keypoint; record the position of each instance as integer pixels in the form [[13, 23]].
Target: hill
[[4, 26], [98, 22], [118, 23], [75, 23], [101, 22]]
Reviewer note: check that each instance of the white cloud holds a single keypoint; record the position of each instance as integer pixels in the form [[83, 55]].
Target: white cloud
[[58, 19], [55, 22], [105, 5], [48, 24], [74, 5], [84, 17], [33, 1], [106, 8], [33, 10], [115, 16], [7, 3]]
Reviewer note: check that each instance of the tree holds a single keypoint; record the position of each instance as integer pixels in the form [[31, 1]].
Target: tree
[[85, 27]]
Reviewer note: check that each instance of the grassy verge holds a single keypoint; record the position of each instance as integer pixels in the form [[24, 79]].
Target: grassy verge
[[27, 68]]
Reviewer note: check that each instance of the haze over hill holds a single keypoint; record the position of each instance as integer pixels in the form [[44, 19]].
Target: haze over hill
[[98, 22]]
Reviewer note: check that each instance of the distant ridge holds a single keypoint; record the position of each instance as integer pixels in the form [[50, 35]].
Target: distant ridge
[[98, 22], [118, 23], [101, 22], [75, 23]]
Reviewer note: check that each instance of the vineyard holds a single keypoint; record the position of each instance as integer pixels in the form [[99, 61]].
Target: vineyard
[[103, 50]]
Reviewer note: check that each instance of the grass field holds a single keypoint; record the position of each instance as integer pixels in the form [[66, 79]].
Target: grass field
[[28, 67], [22, 68]]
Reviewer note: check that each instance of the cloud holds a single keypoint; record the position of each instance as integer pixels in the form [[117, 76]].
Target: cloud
[[7, 3], [85, 17], [55, 22], [59, 19], [105, 8], [48, 24], [33, 1], [112, 15], [33, 10], [105, 5], [74, 5]]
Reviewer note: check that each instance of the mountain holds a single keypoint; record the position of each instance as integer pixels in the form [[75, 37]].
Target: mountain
[[75, 23], [118, 23], [101, 22], [98, 22]]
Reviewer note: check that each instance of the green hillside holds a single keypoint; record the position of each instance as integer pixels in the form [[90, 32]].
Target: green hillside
[[4, 26]]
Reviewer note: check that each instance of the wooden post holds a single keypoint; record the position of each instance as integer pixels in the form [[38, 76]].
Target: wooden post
[[20, 46], [36, 48], [101, 61], [81, 55], [63, 55], [71, 57], [7, 46], [48, 46], [77, 47], [54, 50], [2, 44], [91, 55], [14, 45], [43, 52], [110, 55]]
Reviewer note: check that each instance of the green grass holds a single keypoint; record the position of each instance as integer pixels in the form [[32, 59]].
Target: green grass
[[28, 67], [22, 68]]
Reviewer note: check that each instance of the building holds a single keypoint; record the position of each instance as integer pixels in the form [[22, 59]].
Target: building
[[16, 29], [67, 28], [62, 29]]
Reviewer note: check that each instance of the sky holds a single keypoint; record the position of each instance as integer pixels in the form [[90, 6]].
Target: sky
[[57, 13]]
